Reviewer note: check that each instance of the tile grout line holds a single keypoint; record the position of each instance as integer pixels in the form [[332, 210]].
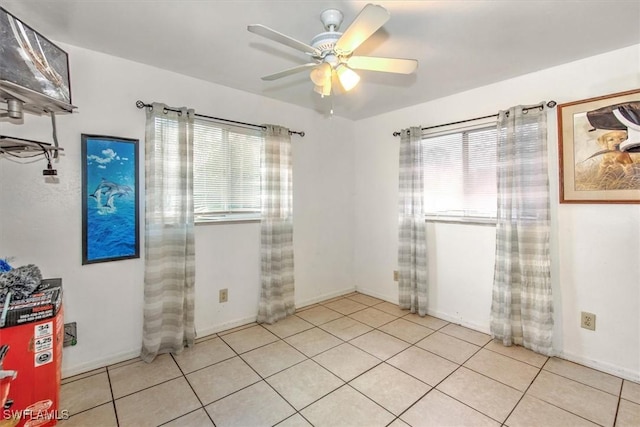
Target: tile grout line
[[113, 398], [615, 417]]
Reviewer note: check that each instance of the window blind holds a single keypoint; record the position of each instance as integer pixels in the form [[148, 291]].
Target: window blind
[[460, 174], [226, 171]]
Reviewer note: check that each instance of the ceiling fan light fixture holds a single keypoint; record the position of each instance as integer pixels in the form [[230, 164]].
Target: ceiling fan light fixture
[[348, 78], [324, 89], [320, 74]]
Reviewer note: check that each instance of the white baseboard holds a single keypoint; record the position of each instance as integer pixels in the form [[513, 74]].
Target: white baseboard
[[224, 326], [459, 321], [98, 363], [441, 315], [383, 297], [324, 297], [624, 373]]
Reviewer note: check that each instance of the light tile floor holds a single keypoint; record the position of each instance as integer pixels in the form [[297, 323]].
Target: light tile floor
[[350, 361]]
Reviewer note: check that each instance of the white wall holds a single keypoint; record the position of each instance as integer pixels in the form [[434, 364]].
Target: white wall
[[595, 248], [40, 222]]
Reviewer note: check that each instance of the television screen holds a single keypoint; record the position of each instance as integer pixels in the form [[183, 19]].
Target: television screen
[[28, 60]]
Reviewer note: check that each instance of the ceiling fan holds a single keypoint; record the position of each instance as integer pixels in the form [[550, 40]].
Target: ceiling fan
[[332, 51]]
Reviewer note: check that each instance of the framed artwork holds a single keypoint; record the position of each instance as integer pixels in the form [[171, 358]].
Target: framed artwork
[[599, 148], [110, 211]]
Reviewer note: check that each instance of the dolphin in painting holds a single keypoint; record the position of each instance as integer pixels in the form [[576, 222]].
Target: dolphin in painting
[[103, 188], [118, 191], [110, 190]]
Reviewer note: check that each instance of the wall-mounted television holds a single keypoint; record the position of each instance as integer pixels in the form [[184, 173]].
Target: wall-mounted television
[[33, 69]]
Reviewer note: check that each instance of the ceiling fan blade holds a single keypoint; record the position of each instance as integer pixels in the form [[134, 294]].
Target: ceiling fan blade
[[387, 65], [289, 71], [370, 18], [274, 35]]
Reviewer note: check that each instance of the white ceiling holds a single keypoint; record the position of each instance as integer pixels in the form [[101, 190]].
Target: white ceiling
[[460, 45]]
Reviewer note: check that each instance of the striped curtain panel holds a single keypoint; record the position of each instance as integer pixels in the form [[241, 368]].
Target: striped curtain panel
[[522, 306], [412, 244], [276, 237], [169, 275]]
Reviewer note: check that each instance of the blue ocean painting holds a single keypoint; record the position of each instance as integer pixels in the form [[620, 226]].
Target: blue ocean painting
[[111, 199]]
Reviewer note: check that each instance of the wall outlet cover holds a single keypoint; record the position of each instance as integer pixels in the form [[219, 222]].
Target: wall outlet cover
[[588, 321], [224, 295], [70, 334]]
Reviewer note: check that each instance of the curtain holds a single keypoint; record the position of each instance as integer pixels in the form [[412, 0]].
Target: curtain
[[522, 310], [412, 245], [169, 276], [276, 237]]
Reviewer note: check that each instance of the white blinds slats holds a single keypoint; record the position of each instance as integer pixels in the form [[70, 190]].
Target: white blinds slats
[[226, 170], [460, 174]]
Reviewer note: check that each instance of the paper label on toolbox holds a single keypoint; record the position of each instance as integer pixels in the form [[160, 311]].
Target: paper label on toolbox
[[43, 358], [43, 344], [42, 330]]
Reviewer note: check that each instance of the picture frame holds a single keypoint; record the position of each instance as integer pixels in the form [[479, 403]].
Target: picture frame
[[110, 199], [599, 149]]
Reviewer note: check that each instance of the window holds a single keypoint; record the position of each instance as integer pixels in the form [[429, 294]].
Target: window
[[460, 174], [226, 171]]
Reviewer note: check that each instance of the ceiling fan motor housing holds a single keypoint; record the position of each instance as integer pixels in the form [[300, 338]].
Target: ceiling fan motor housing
[[325, 42], [331, 19]]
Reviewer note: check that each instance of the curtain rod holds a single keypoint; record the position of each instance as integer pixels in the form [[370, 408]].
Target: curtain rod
[[550, 104], [141, 104]]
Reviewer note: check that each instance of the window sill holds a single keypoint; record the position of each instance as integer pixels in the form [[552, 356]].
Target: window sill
[[225, 220], [461, 220]]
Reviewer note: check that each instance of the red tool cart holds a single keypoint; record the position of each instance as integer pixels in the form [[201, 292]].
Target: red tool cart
[[31, 337]]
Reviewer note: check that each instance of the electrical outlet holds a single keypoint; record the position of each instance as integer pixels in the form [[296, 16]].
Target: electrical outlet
[[224, 295], [588, 321], [70, 334], [395, 275]]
